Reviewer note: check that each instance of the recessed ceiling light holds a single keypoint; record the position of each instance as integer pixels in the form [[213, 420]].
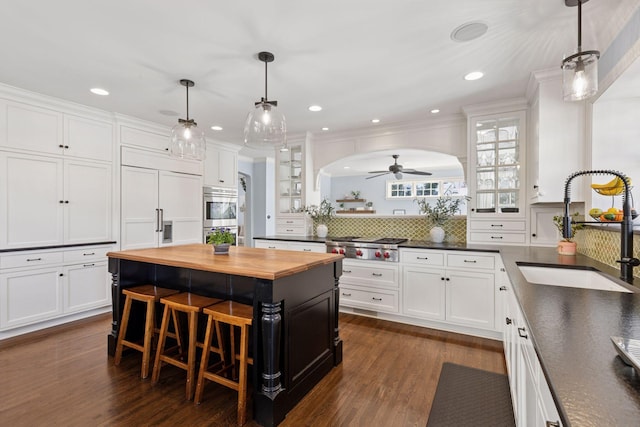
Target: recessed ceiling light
[[469, 31], [99, 91], [315, 108], [347, 167], [435, 111], [475, 75], [216, 127], [325, 128], [375, 120]]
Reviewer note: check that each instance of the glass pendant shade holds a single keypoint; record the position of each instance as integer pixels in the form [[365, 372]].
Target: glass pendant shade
[[187, 141], [580, 76], [580, 70], [265, 128]]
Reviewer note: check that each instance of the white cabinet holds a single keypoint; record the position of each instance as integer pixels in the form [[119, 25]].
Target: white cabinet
[[556, 140], [159, 208], [290, 245], [533, 404], [543, 229], [49, 201], [46, 131], [220, 167], [496, 158], [154, 140], [450, 286], [38, 286], [294, 224], [370, 285]]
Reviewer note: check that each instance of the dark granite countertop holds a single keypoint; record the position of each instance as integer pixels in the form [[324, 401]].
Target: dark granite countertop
[[570, 330], [285, 238]]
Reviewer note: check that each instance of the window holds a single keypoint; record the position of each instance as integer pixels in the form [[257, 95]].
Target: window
[[432, 188]]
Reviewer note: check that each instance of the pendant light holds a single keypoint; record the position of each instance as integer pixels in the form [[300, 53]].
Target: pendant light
[[265, 127], [187, 141], [580, 70]]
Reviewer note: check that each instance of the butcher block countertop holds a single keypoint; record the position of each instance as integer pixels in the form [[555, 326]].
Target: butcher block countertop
[[241, 261]]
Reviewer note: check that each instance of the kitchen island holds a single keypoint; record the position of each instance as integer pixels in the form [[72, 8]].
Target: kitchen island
[[294, 338]]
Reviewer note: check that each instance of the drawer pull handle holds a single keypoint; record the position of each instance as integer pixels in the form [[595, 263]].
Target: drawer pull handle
[[289, 222], [376, 299], [346, 295], [88, 265], [346, 271], [503, 288], [420, 257], [496, 237], [508, 321], [89, 254], [377, 274], [306, 250], [497, 225], [34, 259], [522, 334], [289, 230], [552, 424], [472, 261], [271, 247], [503, 270]]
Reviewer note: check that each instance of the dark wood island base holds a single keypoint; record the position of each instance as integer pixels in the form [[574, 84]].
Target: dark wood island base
[[295, 338]]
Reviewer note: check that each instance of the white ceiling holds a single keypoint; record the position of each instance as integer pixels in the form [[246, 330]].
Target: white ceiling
[[389, 59]]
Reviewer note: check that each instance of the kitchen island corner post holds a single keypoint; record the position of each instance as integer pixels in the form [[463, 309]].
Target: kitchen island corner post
[[114, 269], [271, 323], [337, 341]]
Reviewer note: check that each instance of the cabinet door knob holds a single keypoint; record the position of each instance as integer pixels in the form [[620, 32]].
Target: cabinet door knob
[[533, 235], [508, 321], [503, 288]]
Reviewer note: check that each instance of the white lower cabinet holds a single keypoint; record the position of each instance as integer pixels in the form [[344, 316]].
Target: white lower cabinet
[[533, 404], [37, 286], [370, 285], [436, 287], [292, 246]]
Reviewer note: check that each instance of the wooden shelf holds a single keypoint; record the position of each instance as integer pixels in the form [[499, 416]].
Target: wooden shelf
[[351, 200], [356, 212]]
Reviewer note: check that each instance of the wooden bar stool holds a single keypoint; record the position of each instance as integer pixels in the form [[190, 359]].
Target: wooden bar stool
[[192, 305], [237, 316], [149, 295]]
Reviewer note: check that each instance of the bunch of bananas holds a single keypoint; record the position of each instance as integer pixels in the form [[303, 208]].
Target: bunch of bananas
[[611, 188]]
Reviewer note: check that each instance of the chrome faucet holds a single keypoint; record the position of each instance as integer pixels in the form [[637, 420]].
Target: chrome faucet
[[627, 261]]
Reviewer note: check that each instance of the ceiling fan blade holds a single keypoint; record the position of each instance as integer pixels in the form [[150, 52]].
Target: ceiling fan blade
[[415, 172], [375, 176], [379, 172]]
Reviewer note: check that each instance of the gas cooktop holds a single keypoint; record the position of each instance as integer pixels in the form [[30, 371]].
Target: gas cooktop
[[379, 240]]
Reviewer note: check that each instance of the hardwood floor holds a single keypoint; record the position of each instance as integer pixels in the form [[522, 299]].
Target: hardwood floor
[[388, 377]]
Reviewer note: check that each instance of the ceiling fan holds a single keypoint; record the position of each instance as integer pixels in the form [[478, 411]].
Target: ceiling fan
[[397, 170]]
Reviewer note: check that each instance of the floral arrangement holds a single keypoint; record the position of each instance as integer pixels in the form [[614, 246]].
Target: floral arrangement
[[557, 220], [221, 235], [444, 208], [322, 213]]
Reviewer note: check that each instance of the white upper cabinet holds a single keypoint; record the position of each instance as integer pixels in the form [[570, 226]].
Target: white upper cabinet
[[46, 131], [144, 138], [220, 167], [556, 140]]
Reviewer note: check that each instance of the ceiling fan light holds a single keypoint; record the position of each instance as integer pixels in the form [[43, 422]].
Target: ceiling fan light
[[398, 175]]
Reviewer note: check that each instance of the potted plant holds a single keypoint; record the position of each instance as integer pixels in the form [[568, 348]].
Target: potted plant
[[567, 246], [221, 238], [321, 215], [442, 210]]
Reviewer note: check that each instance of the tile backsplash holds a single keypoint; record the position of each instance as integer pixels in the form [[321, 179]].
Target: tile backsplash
[[410, 227], [604, 245]]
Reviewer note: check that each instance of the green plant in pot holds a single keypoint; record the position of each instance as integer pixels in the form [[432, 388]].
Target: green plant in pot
[[443, 209], [221, 238], [567, 246], [321, 215]]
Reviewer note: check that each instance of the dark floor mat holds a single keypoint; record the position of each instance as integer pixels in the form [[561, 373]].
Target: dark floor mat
[[471, 397]]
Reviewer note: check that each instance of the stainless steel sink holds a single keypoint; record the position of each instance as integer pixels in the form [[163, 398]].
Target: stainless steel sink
[[570, 277]]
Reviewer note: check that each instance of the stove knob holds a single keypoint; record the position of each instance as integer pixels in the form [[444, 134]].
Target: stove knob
[[358, 252], [334, 251], [341, 251], [387, 254], [378, 254]]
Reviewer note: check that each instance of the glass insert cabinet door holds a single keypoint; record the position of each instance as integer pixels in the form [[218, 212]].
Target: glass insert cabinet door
[[497, 147], [290, 179]]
